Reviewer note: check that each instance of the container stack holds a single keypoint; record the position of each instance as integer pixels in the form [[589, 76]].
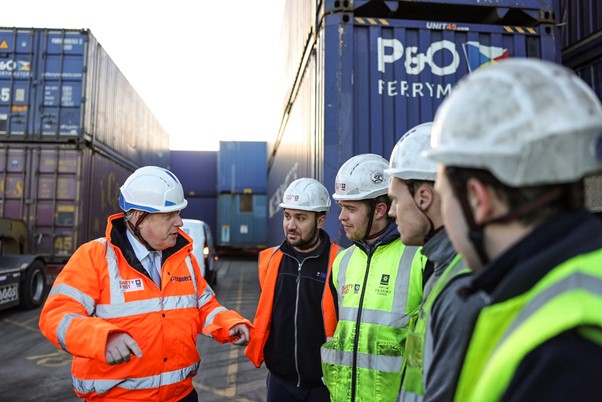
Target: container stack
[[241, 195], [72, 129], [581, 35], [197, 171], [360, 74]]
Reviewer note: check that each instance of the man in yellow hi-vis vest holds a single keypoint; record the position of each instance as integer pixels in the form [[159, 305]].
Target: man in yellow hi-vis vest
[[377, 285], [514, 142], [437, 336]]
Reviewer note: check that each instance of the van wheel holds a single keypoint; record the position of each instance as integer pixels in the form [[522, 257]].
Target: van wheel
[[211, 278], [32, 290]]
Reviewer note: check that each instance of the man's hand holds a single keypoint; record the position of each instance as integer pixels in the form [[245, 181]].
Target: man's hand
[[119, 347], [241, 333]]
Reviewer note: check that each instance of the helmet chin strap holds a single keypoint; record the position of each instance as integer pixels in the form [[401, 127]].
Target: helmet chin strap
[[135, 228]]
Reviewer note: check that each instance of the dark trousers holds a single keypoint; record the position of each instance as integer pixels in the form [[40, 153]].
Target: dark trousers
[[191, 397], [281, 390]]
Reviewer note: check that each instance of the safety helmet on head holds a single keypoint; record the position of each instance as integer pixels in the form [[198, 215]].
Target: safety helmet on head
[[361, 178], [527, 121], [406, 162], [152, 189], [306, 194]]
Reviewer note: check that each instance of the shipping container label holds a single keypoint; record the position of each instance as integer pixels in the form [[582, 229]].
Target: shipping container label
[[441, 58]]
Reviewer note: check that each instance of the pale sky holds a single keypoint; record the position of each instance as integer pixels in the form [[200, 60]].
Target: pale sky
[[209, 70]]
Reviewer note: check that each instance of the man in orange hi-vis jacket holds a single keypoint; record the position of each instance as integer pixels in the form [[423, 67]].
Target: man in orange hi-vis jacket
[[129, 306], [296, 312]]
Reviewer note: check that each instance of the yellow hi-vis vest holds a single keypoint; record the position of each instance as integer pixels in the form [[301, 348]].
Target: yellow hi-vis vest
[[377, 295], [412, 382], [568, 297]]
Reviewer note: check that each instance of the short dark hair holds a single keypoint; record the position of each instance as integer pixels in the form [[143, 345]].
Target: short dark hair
[[572, 195]]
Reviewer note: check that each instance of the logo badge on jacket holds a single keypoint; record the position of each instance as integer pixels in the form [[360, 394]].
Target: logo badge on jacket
[[131, 285], [384, 280]]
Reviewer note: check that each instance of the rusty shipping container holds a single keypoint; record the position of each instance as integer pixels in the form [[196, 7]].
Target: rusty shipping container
[[63, 192], [59, 85]]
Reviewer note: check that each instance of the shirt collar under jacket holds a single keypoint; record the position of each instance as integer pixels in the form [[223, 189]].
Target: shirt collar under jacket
[[390, 235], [139, 249], [439, 250]]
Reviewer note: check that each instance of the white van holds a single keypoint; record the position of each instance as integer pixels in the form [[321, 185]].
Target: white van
[[202, 248]]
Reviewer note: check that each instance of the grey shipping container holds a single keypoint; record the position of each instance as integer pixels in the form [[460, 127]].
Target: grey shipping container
[[242, 167], [63, 192], [365, 78], [59, 85], [241, 221]]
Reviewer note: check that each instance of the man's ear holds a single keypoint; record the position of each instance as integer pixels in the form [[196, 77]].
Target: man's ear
[[482, 200], [381, 210], [321, 220], [424, 196]]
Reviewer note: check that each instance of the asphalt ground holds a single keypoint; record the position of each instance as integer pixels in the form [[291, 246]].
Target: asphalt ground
[[32, 369]]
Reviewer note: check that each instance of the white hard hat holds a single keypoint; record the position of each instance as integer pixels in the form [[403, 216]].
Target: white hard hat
[[361, 178], [407, 161], [152, 189], [527, 121], [306, 194]]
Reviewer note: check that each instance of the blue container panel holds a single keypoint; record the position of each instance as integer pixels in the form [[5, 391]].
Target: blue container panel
[[241, 220], [375, 79], [197, 171], [580, 19], [242, 167], [203, 208], [60, 85]]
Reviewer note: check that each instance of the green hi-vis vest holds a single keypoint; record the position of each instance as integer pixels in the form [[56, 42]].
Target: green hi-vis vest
[[412, 383], [377, 295], [568, 297]]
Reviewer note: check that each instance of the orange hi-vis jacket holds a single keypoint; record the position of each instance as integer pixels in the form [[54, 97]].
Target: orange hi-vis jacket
[[99, 292], [269, 264]]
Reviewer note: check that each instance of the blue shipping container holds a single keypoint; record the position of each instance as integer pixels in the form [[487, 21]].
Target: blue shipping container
[[242, 220], [242, 167], [365, 81], [60, 85], [197, 171], [203, 208]]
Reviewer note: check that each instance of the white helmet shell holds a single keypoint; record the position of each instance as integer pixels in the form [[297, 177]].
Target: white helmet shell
[[527, 121], [361, 178], [152, 189], [407, 161], [306, 194]]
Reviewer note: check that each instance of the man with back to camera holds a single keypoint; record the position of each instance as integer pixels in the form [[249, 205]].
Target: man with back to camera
[[377, 285], [437, 335], [128, 306], [294, 315], [514, 142]]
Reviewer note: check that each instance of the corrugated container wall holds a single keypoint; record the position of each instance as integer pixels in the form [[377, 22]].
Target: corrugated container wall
[[64, 193], [242, 167], [367, 79], [581, 29], [242, 221], [60, 85]]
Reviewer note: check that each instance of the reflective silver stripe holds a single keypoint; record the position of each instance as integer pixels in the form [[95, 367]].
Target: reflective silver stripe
[[67, 290], [192, 274], [145, 306], [117, 296], [405, 396], [391, 364], [211, 316], [61, 331], [395, 318], [577, 280], [205, 296], [101, 386]]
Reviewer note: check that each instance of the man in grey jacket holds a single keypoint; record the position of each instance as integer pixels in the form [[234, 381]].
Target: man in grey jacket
[[438, 335]]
